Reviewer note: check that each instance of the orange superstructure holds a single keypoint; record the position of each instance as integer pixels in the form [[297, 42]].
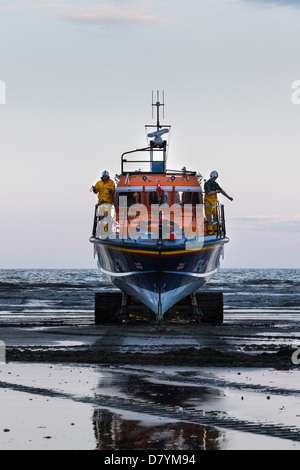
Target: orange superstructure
[[171, 190]]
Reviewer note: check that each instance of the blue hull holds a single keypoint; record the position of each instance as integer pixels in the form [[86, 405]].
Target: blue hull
[[158, 277]]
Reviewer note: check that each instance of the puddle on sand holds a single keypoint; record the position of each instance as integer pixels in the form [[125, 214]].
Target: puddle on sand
[[126, 432], [47, 406]]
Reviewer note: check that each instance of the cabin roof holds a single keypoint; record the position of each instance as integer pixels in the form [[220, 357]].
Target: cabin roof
[[149, 180]]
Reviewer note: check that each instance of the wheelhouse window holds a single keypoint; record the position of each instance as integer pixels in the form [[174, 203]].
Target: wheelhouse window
[[134, 197], [188, 197], [155, 198]]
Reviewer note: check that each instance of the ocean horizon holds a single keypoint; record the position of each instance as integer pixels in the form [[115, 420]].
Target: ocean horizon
[[59, 292]]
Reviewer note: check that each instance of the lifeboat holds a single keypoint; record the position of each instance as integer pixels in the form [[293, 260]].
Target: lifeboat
[[155, 243]]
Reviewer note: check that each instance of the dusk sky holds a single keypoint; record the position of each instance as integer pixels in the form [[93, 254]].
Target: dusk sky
[[76, 79]]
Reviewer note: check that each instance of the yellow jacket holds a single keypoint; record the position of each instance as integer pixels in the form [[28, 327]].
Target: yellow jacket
[[102, 189]]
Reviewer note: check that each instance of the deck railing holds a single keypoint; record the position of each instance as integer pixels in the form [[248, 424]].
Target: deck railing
[[122, 226]]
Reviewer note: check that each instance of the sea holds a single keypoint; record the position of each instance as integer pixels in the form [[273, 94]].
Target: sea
[[67, 295]]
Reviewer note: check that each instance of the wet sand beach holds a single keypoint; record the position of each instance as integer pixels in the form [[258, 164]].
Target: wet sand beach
[[69, 384]]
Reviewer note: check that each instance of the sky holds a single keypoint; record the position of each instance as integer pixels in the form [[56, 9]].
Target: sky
[[76, 79]]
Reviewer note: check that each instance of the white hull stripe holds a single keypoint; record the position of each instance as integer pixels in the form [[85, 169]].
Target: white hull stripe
[[131, 273], [192, 274]]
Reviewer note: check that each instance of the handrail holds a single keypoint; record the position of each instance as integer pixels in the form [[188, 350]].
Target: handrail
[[95, 221], [144, 149], [218, 223]]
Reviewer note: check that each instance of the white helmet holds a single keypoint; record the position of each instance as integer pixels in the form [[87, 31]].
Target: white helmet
[[214, 174], [105, 173]]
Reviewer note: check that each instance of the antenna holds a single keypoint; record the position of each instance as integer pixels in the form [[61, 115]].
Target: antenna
[[158, 104]]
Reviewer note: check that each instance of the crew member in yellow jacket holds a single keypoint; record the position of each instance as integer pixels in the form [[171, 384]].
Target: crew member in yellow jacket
[[211, 190], [105, 188]]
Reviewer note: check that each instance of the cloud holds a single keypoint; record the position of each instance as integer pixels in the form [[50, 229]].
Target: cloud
[[277, 223], [276, 3], [101, 12], [22, 5], [108, 17], [110, 12]]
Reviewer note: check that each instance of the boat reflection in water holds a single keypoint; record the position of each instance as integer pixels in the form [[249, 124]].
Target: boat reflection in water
[[113, 432], [158, 405], [155, 242]]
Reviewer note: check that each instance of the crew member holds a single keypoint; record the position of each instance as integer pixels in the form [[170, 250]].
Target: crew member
[[105, 188], [211, 189]]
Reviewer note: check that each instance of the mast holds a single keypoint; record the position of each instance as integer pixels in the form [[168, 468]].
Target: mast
[[158, 104], [157, 145], [157, 142]]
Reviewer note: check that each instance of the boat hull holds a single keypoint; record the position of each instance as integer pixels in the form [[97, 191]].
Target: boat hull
[[158, 276]]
